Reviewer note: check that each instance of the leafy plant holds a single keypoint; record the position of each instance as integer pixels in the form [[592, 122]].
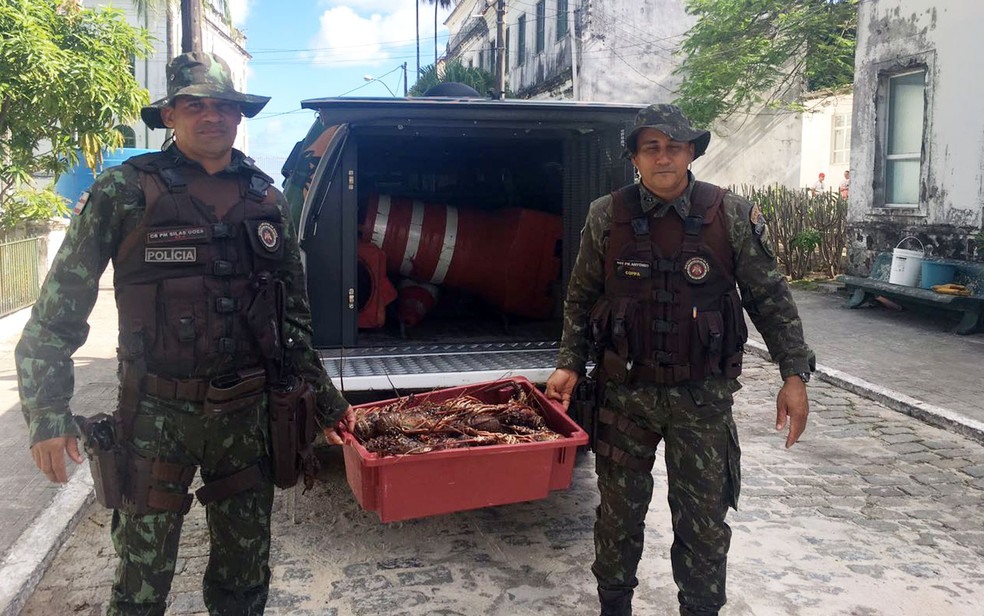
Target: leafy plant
[[31, 206], [809, 231], [454, 70], [65, 84], [744, 52]]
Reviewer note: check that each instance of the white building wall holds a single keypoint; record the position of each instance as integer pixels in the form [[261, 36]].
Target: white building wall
[[818, 139], [894, 34]]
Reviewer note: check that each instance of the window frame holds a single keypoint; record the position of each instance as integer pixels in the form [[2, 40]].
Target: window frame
[[541, 26], [521, 40], [845, 129], [885, 72], [562, 9]]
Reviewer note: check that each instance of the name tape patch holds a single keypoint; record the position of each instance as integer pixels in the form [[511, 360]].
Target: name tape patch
[[626, 268], [184, 234], [175, 254]]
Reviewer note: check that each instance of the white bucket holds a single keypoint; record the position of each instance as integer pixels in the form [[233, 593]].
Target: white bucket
[[906, 264]]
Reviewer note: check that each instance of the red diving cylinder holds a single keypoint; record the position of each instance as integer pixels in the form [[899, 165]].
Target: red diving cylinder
[[415, 300], [509, 257]]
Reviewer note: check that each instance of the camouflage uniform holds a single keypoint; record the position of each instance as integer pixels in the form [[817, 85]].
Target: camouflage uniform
[[237, 577], [693, 418]]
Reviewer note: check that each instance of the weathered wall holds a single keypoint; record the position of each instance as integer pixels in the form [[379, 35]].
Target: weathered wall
[[943, 37], [627, 49]]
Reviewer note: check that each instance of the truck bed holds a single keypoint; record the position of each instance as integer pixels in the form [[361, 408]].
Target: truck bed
[[446, 352]]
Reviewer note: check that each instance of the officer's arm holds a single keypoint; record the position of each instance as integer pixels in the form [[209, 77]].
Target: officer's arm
[[584, 288], [765, 294], [58, 327], [767, 299], [298, 329]]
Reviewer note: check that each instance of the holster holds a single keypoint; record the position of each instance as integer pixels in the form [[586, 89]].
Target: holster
[[293, 428], [150, 486], [584, 407], [107, 457]]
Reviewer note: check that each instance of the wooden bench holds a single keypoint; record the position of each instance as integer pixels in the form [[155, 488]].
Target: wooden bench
[[968, 273]]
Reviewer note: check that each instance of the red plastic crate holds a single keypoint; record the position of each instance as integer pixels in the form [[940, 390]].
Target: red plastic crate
[[419, 485]]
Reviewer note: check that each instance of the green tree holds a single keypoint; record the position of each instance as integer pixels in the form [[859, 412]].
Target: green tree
[[454, 70], [746, 52], [65, 84]]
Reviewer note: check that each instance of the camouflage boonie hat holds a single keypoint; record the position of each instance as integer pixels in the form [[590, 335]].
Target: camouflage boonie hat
[[203, 75], [669, 120]]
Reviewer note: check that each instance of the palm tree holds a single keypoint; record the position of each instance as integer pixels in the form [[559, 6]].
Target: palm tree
[[184, 7], [437, 4]]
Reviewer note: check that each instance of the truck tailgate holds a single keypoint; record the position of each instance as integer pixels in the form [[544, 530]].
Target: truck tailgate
[[431, 366]]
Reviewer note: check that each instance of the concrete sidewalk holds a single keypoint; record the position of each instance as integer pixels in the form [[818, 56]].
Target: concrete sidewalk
[[905, 361]]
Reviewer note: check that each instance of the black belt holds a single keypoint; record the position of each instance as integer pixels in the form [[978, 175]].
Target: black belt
[[222, 394]]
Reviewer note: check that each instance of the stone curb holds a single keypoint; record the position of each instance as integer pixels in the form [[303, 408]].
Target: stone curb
[[927, 413], [32, 553]]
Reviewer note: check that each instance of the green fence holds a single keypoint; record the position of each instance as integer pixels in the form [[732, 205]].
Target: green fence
[[23, 264]]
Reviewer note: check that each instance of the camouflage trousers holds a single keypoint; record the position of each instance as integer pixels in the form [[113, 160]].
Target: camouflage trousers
[[237, 576], [702, 455]]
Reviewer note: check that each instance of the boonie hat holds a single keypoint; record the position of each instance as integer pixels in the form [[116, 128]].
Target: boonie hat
[[203, 75], [669, 120]]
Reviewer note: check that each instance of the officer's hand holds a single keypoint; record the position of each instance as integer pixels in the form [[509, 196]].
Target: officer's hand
[[792, 404], [49, 456], [560, 386], [345, 424]]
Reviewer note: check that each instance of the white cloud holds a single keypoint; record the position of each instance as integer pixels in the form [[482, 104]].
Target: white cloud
[[373, 32], [239, 10]]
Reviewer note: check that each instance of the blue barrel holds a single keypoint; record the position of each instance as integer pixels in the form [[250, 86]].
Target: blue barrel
[[77, 180]]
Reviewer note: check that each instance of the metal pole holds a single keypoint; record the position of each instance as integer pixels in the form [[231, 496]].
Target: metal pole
[[191, 25], [404, 80], [570, 31], [417, 20], [436, 4], [500, 49]]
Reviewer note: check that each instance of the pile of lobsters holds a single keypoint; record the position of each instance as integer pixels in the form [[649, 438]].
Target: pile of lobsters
[[406, 426]]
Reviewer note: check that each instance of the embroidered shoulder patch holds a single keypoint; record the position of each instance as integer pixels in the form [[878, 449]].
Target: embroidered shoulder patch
[[761, 231], [81, 203]]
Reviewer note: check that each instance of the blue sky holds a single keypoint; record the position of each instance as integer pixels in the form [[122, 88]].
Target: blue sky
[[317, 48]]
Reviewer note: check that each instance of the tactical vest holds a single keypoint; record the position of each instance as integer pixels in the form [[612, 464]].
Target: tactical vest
[[184, 278], [670, 310]]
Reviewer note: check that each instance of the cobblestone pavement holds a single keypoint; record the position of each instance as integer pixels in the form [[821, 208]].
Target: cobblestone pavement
[[872, 514]]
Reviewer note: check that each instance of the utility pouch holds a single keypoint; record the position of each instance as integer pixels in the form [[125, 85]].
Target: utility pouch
[[107, 457], [292, 431], [235, 392]]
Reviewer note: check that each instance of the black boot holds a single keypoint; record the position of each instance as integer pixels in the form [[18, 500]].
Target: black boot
[[697, 611], [615, 602]]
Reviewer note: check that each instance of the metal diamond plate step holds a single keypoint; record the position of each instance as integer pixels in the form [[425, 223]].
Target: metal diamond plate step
[[432, 366]]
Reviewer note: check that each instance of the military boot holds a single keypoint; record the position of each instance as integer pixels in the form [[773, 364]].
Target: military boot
[[698, 611], [615, 602]]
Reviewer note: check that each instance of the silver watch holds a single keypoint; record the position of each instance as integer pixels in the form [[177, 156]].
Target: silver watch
[[806, 376]]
